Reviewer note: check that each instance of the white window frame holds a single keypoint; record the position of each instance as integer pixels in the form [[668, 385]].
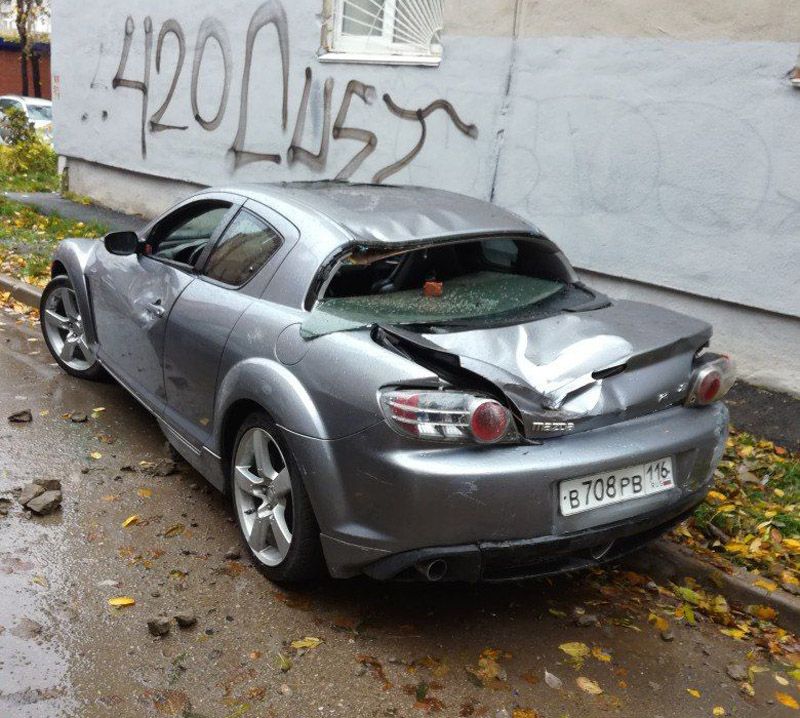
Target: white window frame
[[337, 46]]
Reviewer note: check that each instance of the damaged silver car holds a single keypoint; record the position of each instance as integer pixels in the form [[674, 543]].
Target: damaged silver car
[[397, 381]]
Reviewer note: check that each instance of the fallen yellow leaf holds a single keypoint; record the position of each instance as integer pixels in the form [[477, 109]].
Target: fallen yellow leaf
[[121, 601], [524, 713], [575, 649], [718, 711], [600, 654], [765, 584], [659, 622], [693, 692], [145, 493], [175, 530], [588, 685], [95, 455], [787, 700], [130, 521], [307, 642], [780, 679]]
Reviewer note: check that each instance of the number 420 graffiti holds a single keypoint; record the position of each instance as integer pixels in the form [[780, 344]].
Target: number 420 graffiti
[[270, 13]]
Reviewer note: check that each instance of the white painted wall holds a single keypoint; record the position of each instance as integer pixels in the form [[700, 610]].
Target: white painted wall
[[661, 161]]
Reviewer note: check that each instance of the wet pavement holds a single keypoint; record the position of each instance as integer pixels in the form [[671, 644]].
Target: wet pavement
[[385, 650]]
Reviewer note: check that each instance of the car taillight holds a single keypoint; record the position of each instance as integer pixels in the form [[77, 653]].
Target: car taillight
[[711, 380], [447, 416]]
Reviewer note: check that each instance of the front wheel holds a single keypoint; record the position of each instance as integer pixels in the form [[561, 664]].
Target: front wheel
[[271, 505], [64, 330]]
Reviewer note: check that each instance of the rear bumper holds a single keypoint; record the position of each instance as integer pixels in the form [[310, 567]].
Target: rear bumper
[[526, 558], [385, 503]]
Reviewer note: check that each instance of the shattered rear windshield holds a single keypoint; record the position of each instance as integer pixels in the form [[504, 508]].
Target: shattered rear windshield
[[437, 285]]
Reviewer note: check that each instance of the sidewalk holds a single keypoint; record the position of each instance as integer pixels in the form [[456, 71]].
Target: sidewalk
[[53, 203]]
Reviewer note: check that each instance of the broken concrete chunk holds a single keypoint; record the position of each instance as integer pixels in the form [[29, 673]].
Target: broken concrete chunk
[[186, 619], [587, 619], [165, 467], [162, 467], [45, 503], [158, 626], [737, 672], [49, 484], [5, 506], [78, 418], [29, 492], [21, 417], [233, 553]]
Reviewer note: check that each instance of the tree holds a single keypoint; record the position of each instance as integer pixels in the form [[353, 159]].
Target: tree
[[26, 14]]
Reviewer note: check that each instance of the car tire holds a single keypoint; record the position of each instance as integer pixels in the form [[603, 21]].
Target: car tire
[[64, 331], [261, 502]]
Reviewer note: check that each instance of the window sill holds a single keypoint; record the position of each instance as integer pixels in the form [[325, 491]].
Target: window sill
[[362, 58]]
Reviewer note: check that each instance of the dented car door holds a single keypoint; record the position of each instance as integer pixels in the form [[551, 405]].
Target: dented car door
[[134, 294]]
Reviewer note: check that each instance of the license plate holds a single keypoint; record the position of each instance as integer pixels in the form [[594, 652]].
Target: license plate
[[613, 487]]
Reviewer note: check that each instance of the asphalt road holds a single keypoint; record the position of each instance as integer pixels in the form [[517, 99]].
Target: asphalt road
[[386, 650]]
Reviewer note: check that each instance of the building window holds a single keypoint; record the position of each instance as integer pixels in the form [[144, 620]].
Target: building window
[[383, 31]]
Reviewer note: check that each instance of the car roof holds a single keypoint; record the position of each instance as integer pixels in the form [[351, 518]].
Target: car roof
[[27, 100], [394, 214]]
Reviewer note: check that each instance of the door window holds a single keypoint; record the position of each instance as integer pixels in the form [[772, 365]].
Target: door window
[[183, 235], [243, 249]]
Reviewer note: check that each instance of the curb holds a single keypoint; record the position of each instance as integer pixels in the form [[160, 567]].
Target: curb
[[21, 291], [665, 561]]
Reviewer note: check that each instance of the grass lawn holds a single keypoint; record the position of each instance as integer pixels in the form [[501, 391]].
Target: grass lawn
[[28, 238], [752, 516]]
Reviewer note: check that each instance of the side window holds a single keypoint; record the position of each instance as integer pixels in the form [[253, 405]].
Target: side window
[[243, 249], [183, 235]]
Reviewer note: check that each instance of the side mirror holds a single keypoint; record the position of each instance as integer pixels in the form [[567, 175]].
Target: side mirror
[[121, 243]]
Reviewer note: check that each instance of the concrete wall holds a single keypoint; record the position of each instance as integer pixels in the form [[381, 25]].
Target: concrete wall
[[653, 141]]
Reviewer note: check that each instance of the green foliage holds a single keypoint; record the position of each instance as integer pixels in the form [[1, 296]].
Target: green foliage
[[17, 128], [27, 162]]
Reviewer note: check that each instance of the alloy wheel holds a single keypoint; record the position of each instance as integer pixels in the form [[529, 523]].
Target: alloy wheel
[[263, 496], [65, 329]]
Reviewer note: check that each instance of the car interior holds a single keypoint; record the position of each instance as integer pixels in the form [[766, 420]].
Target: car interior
[[358, 276], [183, 236]]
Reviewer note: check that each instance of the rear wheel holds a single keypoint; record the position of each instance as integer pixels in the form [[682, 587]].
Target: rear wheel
[[271, 505], [64, 330]]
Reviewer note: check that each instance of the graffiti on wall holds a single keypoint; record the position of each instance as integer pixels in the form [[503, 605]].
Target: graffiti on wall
[[270, 14]]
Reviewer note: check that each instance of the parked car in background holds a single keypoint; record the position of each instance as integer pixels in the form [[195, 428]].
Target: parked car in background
[[397, 381], [38, 111]]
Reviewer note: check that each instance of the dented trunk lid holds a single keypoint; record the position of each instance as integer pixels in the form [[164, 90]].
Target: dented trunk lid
[[578, 370]]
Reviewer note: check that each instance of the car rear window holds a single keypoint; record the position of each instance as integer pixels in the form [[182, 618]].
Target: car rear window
[[442, 286], [40, 112]]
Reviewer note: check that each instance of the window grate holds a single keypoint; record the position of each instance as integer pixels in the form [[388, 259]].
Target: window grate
[[388, 27]]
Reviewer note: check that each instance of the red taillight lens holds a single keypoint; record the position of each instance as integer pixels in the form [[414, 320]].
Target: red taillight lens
[[709, 388], [489, 421], [711, 380], [449, 416]]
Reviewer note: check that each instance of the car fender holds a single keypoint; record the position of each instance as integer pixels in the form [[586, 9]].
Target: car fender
[[72, 257], [274, 387]]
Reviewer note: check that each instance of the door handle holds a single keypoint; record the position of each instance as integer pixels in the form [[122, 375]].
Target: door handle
[[155, 308]]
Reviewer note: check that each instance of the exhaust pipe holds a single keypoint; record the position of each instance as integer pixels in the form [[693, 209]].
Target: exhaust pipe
[[433, 570]]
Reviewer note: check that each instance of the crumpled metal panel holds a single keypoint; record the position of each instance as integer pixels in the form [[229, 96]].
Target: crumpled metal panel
[[546, 367]]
